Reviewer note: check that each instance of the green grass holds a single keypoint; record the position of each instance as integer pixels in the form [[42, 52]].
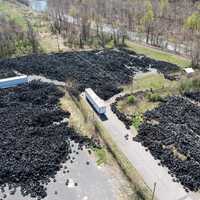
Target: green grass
[[101, 156], [151, 80], [158, 54], [160, 86], [137, 120]]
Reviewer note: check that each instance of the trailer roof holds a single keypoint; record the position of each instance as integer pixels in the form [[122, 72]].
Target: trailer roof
[[189, 70], [12, 78], [96, 98]]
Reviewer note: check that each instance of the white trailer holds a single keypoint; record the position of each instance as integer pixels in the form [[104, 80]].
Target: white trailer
[[13, 82], [97, 103]]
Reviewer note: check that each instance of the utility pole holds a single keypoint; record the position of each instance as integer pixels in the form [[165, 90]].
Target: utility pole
[[154, 189]]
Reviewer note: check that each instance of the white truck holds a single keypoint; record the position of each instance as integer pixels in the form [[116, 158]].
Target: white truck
[[13, 81], [97, 102]]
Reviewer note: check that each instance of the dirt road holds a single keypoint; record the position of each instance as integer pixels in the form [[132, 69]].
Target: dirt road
[[144, 162]]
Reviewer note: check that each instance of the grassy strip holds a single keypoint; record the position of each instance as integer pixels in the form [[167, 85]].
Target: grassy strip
[[158, 54], [137, 182]]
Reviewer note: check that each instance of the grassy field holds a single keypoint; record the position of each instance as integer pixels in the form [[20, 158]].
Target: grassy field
[[151, 80], [153, 85], [158, 54]]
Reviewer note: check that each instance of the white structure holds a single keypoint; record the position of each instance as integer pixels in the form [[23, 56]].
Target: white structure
[[189, 70], [13, 82], [96, 102]]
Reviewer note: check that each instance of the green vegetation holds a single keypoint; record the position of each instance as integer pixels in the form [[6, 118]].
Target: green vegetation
[[101, 156], [153, 81], [190, 85], [13, 12], [193, 24], [137, 120], [150, 80], [155, 97], [131, 99], [158, 54], [148, 89]]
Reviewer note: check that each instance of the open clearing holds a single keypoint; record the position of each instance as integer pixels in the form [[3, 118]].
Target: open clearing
[[147, 90]]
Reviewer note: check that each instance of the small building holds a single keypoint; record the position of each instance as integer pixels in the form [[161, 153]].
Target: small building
[[189, 71], [13, 81], [96, 102]]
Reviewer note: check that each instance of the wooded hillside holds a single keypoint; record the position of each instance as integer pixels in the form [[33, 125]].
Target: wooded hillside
[[161, 22]]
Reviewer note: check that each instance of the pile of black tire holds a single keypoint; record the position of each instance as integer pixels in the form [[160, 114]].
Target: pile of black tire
[[6, 73], [193, 95], [34, 139], [103, 71], [175, 139]]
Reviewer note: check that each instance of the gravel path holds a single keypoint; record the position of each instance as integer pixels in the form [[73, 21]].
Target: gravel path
[[144, 162]]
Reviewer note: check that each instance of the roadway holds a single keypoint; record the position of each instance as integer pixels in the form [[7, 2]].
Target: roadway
[[143, 161]]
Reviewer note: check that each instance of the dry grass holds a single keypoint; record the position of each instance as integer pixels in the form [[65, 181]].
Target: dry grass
[[77, 119]]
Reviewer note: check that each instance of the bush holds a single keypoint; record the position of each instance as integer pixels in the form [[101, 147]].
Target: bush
[[137, 120], [131, 99], [155, 97], [190, 85]]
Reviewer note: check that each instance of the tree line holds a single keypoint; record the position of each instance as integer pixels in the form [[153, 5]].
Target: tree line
[[159, 23], [16, 40]]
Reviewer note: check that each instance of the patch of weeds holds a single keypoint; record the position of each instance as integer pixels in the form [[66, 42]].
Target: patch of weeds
[[137, 120], [155, 97], [131, 99], [101, 156]]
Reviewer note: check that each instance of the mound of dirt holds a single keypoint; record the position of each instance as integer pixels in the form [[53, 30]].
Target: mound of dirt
[[174, 139], [34, 139], [103, 71]]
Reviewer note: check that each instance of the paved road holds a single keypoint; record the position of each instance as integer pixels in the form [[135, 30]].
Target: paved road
[[42, 79], [144, 162]]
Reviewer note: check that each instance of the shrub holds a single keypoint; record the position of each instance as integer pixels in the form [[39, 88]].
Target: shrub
[[155, 97], [190, 85], [131, 99], [137, 120]]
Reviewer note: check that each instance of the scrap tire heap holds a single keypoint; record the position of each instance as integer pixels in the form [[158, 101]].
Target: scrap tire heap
[[193, 96], [127, 120], [6, 73], [174, 139], [34, 140], [103, 71]]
